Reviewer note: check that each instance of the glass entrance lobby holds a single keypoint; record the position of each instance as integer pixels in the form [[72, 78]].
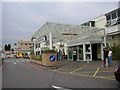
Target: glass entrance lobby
[[86, 52]]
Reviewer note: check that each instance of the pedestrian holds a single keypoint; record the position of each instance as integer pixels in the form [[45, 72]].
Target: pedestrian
[[63, 56], [105, 59], [74, 56], [109, 57], [58, 56]]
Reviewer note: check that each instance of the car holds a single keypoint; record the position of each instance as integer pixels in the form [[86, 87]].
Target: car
[[117, 74]]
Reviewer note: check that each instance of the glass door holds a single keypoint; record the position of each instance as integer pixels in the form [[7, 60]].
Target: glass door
[[80, 52], [70, 50]]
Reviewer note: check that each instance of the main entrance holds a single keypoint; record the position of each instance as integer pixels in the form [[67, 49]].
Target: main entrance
[[86, 52], [96, 52]]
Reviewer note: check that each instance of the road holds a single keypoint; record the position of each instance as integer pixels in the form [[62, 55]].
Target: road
[[20, 73]]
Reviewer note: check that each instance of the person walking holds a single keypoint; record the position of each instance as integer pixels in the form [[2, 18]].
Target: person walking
[[58, 56], [109, 57], [74, 56], [105, 59]]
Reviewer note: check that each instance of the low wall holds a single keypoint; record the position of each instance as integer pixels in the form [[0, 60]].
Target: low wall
[[46, 59], [36, 61]]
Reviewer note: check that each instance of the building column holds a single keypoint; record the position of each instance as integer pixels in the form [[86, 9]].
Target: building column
[[50, 40], [84, 58]]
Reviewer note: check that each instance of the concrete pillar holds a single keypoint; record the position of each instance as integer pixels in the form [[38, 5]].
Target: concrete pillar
[[50, 40], [84, 58]]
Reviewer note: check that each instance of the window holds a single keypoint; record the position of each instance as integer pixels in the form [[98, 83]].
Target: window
[[114, 15], [93, 23], [118, 13], [30, 43], [108, 17], [21, 43], [39, 45], [26, 44]]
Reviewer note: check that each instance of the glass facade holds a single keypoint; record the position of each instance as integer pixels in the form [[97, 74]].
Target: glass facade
[[80, 52], [70, 54]]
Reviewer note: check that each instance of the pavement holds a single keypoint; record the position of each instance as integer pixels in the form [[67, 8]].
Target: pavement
[[92, 69], [21, 73]]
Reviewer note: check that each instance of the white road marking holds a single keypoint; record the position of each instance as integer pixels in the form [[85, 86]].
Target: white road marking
[[14, 62], [60, 88], [7, 61]]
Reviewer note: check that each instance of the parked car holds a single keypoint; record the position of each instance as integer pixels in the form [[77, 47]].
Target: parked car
[[117, 74]]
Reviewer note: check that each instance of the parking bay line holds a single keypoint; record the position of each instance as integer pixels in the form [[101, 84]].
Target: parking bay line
[[62, 68], [78, 69], [96, 72], [86, 75]]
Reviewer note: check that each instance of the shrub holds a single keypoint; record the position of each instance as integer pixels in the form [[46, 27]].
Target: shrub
[[49, 50], [31, 52], [116, 52], [37, 58]]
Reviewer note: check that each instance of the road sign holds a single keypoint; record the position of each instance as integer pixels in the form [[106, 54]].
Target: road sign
[[52, 58], [68, 34]]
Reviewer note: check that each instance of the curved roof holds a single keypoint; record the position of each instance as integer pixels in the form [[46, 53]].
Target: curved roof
[[58, 30]]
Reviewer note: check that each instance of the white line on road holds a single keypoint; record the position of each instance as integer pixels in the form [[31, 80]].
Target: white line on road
[[60, 88], [14, 62], [7, 61]]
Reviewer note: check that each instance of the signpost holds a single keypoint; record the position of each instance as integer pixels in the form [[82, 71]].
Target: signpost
[[52, 58], [42, 39]]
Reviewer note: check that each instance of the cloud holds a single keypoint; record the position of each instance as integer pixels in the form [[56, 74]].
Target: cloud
[[21, 20]]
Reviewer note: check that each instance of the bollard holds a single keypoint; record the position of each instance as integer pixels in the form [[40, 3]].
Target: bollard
[[106, 62]]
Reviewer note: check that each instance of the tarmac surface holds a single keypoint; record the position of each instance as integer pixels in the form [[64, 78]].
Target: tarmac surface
[[92, 69], [21, 73]]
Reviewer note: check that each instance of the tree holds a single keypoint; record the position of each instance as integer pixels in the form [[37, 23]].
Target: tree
[[6, 47], [9, 47]]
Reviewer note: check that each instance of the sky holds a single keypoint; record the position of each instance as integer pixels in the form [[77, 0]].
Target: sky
[[20, 20]]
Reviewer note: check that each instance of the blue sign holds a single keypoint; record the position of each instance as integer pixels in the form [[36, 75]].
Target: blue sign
[[52, 58]]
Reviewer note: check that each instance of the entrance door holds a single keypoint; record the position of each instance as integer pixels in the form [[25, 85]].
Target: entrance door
[[75, 49], [94, 52], [70, 50]]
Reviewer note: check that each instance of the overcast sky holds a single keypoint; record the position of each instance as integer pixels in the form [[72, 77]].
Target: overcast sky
[[21, 20]]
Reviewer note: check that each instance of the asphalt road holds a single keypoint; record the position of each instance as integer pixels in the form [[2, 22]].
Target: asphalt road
[[20, 73]]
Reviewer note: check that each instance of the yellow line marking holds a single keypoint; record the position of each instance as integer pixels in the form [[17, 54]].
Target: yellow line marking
[[96, 72], [62, 68], [86, 72], [70, 69], [107, 76], [106, 71], [77, 69], [86, 75], [110, 76]]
